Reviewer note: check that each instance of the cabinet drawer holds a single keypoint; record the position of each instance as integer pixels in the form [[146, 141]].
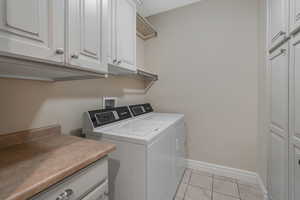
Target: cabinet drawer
[[77, 185], [100, 193]]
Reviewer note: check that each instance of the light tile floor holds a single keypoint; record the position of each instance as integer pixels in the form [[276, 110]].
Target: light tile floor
[[198, 185]]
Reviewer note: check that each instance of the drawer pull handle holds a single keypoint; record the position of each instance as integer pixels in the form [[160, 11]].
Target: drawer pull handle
[[66, 195]]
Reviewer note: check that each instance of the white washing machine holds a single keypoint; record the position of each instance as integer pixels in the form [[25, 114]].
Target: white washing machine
[[150, 157]]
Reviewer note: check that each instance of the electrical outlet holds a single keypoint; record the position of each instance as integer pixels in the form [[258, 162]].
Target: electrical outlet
[[109, 102]]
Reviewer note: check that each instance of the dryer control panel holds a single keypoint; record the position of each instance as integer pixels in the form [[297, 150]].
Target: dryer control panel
[[137, 110], [107, 116]]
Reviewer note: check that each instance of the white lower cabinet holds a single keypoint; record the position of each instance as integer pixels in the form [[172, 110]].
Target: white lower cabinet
[[279, 135], [90, 183], [295, 118], [284, 140]]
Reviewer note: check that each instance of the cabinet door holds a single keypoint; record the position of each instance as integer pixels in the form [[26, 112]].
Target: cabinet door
[[87, 34], [126, 34], [111, 38], [33, 28], [278, 21], [294, 120], [278, 154], [294, 15]]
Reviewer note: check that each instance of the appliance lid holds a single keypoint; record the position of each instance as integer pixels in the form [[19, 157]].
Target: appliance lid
[[135, 128]]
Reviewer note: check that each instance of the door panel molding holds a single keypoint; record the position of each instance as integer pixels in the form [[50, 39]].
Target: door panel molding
[[90, 26]]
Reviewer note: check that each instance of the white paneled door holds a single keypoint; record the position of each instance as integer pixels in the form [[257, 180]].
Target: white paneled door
[[87, 30], [279, 138], [278, 21], [33, 28], [295, 118]]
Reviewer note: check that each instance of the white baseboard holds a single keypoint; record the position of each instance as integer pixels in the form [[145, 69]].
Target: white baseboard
[[244, 175], [262, 187]]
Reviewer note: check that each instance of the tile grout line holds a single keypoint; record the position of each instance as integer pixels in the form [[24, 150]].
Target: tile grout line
[[179, 186], [212, 187], [228, 195], [238, 187], [188, 183], [214, 178]]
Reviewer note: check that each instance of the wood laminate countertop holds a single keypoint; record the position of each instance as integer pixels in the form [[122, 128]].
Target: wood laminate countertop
[[27, 168]]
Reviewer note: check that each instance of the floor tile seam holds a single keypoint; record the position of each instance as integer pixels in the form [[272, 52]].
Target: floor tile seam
[[188, 183]]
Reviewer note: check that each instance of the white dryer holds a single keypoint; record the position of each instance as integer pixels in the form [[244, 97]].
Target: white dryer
[[149, 161]]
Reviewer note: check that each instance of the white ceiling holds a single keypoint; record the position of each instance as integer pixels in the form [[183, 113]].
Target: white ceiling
[[152, 7]]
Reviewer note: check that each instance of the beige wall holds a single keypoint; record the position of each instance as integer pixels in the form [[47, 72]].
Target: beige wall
[[262, 138], [206, 55], [31, 104], [140, 52]]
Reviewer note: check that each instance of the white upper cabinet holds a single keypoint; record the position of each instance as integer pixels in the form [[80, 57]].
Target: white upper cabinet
[[278, 21], [33, 28], [122, 33], [294, 15], [87, 31], [111, 48], [126, 33]]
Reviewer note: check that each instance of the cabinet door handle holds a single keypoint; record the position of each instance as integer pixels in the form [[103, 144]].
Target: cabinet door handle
[[59, 51], [75, 56], [66, 195], [281, 52], [278, 35], [298, 17]]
